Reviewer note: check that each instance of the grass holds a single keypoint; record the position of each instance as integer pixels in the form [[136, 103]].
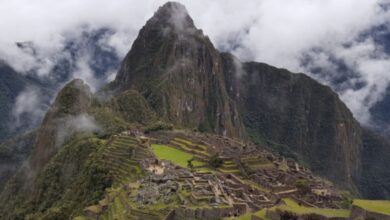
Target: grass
[[292, 206], [248, 216], [197, 151], [378, 206], [178, 157], [190, 143]]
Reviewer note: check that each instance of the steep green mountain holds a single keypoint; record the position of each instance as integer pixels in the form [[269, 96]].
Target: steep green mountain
[[74, 99], [13, 154], [179, 72], [90, 150]]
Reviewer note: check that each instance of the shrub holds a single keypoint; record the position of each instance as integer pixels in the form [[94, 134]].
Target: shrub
[[215, 161]]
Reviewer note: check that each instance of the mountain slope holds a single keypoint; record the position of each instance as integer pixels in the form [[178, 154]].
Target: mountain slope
[[73, 100], [11, 85], [297, 112], [179, 72], [374, 177]]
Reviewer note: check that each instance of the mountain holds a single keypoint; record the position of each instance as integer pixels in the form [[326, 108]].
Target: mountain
[[297, 114], [25, 97], [188, 82], [11, 85], [179, 72], [74, 99], [173, 135], [14, 84]]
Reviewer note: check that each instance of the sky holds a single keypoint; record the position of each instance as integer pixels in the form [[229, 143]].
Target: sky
[[307, 36]]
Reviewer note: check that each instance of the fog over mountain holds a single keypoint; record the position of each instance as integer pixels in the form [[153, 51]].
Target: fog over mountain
[[341, 43]]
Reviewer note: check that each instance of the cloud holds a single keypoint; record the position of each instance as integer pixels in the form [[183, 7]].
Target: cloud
[[76, 124], [29, 107], [301, 35]]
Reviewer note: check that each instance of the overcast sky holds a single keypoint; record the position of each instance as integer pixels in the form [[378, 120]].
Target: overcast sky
[[278, 32]]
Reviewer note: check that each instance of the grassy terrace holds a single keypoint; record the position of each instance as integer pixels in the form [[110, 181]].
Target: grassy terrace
[[178, 157], [292, 206], [190, 148], [377, 206], [119, 161], [248, 216]]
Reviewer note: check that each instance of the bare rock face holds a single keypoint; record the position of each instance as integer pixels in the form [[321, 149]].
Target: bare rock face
[[74, 99], [179, 72], [298, 114]]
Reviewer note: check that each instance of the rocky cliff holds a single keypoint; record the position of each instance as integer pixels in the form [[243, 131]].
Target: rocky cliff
[[292, 112], [179, 72]]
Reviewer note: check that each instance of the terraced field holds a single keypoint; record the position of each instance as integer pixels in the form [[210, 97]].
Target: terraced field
[[197, 150], [229, 166], [122, 158], [294, 207], [376, 206], [256, 163], [178, 157], [124, 153]]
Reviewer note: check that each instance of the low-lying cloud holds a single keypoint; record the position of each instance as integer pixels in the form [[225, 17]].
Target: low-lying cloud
[[302, 35], [29, 108], [76, 124]]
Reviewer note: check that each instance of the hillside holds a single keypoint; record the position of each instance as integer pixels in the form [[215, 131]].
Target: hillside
[[187, 132]]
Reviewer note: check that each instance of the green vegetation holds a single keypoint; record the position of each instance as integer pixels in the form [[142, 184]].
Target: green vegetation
[[73, 179], [181, 158], [215, 161], [133, 107], [111, 122], [158, 126], [13, 153], [378, 206], [122, 157], [73, 97], [292, 206]]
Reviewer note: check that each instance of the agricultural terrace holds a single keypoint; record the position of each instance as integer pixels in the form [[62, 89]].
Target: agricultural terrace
[[377, 206]]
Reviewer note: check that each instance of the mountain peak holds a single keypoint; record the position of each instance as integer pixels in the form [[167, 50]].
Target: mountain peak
[[172, 16]]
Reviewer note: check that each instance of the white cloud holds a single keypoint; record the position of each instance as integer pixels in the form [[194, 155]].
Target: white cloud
[[277, 32], [29, 103], [75, 124]]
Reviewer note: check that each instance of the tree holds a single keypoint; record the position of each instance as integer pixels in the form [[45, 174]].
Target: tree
[[189, 163], [215, 161]]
